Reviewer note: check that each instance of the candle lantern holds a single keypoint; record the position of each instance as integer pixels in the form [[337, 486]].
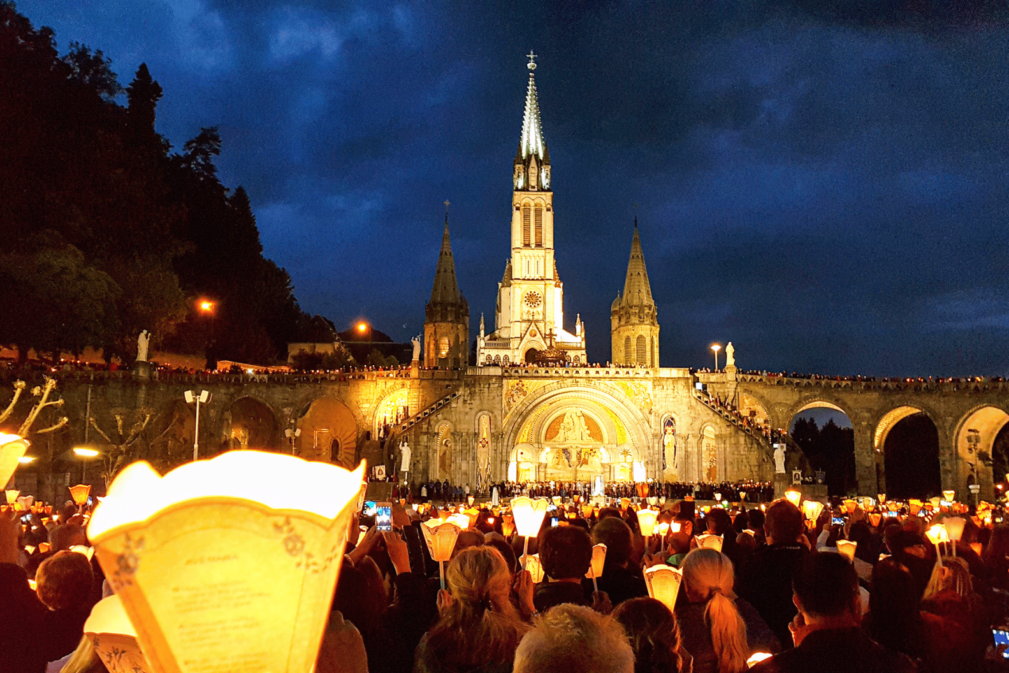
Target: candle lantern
[[12, 449], [557, 500], [850, 505], [663, 583], [652, 501], [710, 542], [756, 658], [881, 498], [507, 525], [214, 527], [954, 529], [914, 506], [529, 515], [12, 496], [662, 528], [80, 494], [936, 535], [597, 564], [847, 549], [532, 563], [950, 496], [875, 518], [460, 520], [646, 521], [793, 496], [587, 510], [812, 509], [113, 636]]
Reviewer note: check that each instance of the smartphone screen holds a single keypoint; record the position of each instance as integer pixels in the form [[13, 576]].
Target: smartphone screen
[[383, 517], [369, 508], [1001, 637], [553, 522], [837, 521]]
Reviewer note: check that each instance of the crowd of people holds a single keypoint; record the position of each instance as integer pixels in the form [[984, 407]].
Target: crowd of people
[[444, 491], [776, 588]]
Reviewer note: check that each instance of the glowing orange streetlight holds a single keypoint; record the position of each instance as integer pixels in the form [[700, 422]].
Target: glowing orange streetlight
[[206, 306], [716, 348], [362, 327]]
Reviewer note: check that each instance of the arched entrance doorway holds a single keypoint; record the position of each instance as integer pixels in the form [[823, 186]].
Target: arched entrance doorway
[[909, 443], [328, 433], [531, 356], [576, 435], [253, 426], [827, 438]]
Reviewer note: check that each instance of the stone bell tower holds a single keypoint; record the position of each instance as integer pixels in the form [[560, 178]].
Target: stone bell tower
[[446, 316], [634, 319]]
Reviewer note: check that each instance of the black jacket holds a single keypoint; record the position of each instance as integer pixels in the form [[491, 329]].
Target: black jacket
[[837, 651]]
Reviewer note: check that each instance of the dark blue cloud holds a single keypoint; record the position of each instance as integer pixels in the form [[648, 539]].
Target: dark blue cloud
[[823, 183]]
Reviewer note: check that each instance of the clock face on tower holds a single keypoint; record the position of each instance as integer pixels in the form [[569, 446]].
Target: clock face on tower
[[533, 299]]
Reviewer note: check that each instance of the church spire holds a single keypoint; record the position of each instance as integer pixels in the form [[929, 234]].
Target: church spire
[[637, 289], [531, 141], [446, 289]]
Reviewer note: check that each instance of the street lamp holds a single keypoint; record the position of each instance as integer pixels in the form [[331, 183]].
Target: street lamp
[[202, 398], [716, 348], [84, 453], [292, 434]]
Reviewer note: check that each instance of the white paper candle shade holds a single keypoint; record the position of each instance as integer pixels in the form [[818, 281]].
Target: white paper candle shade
[[529, 515], [950, 496], [229, 563], [663, 583], [937, 534], [598, 561], [114, 638], [847, 549], [812, 509], [12, 496], [646, 521], [83, 549], [710, 542], [532, 563], [440, 537], [954, 527], [12, 448]]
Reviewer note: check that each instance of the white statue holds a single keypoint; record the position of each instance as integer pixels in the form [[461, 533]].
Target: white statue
[[730, 356], [779, 459], [142, 343], [404, 448], [416, 348], [573, 428]]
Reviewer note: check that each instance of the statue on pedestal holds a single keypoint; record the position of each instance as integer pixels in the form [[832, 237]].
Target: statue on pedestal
[[416, 348], [779, 460], [404, 448], [143, 342], [730, 355]]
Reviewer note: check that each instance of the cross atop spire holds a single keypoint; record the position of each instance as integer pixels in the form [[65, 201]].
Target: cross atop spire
[[532, 60]]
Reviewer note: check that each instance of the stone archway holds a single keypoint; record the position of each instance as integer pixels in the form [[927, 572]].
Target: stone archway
[[253, 425], [907, 440], [549, 425], [974, 442], [826, 435], [328, 433]]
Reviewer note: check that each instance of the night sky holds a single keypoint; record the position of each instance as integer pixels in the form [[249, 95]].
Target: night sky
[[826, 189]]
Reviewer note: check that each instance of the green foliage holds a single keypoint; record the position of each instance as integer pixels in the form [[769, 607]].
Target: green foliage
[[831, 449], [106, 232]]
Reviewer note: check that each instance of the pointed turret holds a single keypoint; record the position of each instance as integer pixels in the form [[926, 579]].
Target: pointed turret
[[637, 289], [446, 324], [634, 323], [446, 289]]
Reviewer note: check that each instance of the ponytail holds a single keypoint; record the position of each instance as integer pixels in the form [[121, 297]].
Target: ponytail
[[728, 633]]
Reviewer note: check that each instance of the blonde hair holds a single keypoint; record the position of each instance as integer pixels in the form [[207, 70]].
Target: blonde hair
[[84, 659], [708, 573], [572, 637], [954, 573], [480, 626]]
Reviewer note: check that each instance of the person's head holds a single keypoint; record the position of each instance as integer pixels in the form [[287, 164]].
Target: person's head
[[66, 536], [616, 535], [608, 512], [998, 544], [826, 587], [470, 537], [565, 552], [653, 634], [718, 521], [506, 551], [64, 581], [952, 574], [893, 605], [574, 638], [708, 578], [782, 523], [478, 625]]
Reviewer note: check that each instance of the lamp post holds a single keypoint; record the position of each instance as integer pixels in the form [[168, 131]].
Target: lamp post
[[716, 348], [202, 398], [292, 434], [84, 453]]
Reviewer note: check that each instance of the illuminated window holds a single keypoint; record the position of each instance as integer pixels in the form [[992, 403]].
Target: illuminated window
[[525, 225], [642, 355], [628, 354], [443, 347], [539, 226]]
